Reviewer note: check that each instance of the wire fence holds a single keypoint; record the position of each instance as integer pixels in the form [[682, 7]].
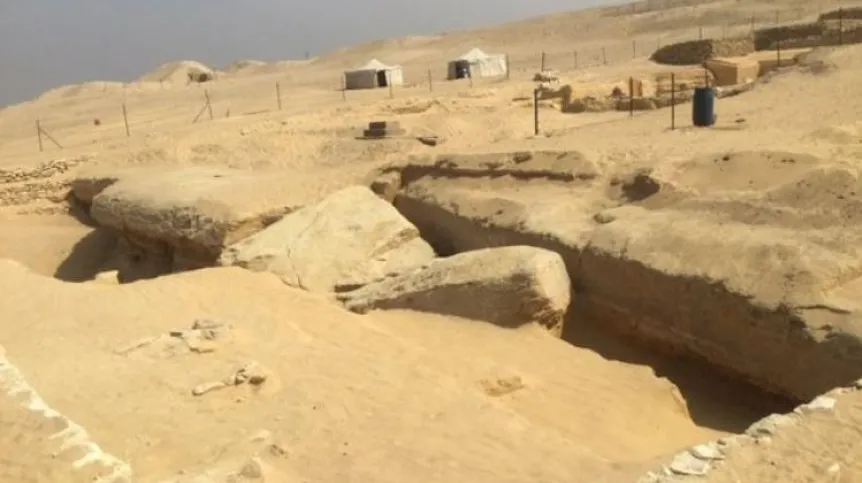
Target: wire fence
[[183, 106]]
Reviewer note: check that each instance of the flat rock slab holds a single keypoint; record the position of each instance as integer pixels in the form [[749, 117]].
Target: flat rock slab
[[352, 237], [508, 286], [195, 210]]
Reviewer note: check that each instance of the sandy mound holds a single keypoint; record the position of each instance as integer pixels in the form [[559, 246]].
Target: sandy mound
[[180, 72], [244, 66], [84, 89]]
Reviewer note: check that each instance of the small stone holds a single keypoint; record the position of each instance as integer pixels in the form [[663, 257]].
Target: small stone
[[257, 379], [820, 403], [857, 384], [650, 477], [260, 436], [206, 324], [604, 217], [686, 464], [838, 391], [249, 373], [764, 440], [768, 425], [277, 450], [204, 388], [707, 452], [201, 347], [522, 157], [834, 469], [253, 469], [110, 277], [136, 345]]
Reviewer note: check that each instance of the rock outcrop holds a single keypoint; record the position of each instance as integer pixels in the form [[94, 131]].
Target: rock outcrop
[[188, 215], [508, 286], [350, 238]]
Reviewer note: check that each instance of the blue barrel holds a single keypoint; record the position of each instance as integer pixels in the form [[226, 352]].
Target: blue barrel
[[703, 107]]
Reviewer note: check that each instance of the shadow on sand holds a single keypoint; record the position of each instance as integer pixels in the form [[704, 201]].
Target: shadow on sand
[[91, 255], [714, 399]]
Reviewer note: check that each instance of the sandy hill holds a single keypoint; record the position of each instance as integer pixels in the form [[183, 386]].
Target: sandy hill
[[247, 291], [177, 72]]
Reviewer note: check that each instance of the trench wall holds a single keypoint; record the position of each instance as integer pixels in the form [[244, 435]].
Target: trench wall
[[679, 315]]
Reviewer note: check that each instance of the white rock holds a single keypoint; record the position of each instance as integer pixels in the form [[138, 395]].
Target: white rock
[[686, 463], [110, 277], [708, 451], [820, 403], [352, 237], [769, 424]]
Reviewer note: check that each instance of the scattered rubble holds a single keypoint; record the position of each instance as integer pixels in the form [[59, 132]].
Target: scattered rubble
[[250, 373], [700, 460]]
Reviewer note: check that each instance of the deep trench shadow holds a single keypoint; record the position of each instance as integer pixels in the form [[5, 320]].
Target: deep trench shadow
[[90, 255], [715, 400]]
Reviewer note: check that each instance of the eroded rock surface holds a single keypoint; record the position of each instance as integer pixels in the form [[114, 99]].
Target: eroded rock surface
[[351, 238], [194, 210], [747, 260], [508, 286]]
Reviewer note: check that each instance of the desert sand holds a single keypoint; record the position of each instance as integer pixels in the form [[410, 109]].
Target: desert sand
[[226, 299]]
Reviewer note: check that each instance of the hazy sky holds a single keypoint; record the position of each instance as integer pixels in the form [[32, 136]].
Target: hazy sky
[[46, 43]]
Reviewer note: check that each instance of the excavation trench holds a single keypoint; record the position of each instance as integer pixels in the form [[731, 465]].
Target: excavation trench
[[617, 312]]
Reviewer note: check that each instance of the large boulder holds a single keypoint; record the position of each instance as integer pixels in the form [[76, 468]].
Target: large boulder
[[350, 238], [507, 286], [191, 212]]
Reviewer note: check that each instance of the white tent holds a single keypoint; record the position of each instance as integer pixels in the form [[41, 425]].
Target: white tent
[[373, 74], [476, 63]]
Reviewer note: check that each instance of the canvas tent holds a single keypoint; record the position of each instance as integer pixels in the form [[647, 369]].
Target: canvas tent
[[373, 74], [476, 63]]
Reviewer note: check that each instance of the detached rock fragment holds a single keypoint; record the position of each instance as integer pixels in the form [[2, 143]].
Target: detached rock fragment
[[350, 238], [508, 286]]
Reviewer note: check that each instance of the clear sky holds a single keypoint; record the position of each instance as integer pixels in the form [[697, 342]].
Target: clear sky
[[47, 43]]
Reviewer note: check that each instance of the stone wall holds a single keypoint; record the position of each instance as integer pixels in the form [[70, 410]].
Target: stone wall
[[844, 13], [829, 38], [767, 39], [695, 52]]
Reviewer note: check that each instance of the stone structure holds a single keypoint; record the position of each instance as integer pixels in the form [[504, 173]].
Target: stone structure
[[697, 51], [843, 13], [768, 38]]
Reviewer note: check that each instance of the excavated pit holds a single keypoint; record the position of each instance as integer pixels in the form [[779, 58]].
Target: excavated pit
[[717, 397]]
